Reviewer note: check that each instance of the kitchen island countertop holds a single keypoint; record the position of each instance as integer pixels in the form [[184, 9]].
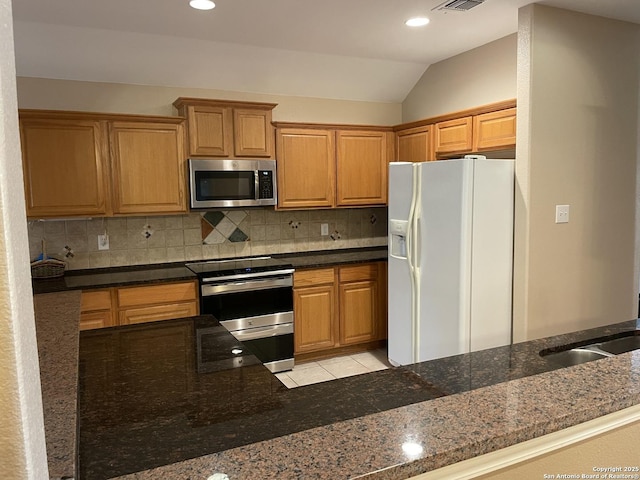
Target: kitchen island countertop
[[458, 408]]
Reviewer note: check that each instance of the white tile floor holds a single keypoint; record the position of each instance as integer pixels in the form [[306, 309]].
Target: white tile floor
[[332, 368]]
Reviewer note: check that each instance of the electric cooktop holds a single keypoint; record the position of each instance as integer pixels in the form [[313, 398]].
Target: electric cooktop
[[218, 268]]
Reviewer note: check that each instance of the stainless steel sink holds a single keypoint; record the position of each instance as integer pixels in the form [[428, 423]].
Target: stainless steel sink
[[621, 345], [576, 356], [600, 348]]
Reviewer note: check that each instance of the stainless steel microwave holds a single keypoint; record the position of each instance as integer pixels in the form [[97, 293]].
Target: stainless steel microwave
[[223, 183]]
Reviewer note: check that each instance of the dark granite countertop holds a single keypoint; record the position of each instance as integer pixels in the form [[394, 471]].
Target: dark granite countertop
[[173, 272], [147, 406]]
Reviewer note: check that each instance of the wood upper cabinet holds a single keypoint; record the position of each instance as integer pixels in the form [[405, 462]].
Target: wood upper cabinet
[[65, 163], [148, 167], [330, 167], [488, 128], [494, 130], [454, 136], [94, 164], [361, 168], [210, 130], [314, 300], [306, 167], [415, 144], [221, 128]]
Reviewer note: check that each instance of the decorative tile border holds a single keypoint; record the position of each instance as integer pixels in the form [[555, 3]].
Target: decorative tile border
[[220, 226]]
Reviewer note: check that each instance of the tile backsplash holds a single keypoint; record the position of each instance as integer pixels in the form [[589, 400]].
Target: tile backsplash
[[206, 235]]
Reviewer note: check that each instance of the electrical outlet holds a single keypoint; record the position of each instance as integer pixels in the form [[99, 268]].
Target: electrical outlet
[[103, 242], [324, 229]]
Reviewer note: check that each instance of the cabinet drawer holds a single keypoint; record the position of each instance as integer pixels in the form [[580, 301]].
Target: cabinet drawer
[[157, 312], [306, 278], [358, 273], [95, 300], [91, 320], [153, 294]]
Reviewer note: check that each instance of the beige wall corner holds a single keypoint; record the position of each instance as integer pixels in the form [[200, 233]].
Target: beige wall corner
[[577, 145], [22, 445], [51, 94], [484, 75]]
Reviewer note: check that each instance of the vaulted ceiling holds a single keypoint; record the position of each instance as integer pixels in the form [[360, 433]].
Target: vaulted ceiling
[[344, 49]]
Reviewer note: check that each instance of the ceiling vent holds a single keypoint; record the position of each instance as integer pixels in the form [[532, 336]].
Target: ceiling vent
[[458, 5]]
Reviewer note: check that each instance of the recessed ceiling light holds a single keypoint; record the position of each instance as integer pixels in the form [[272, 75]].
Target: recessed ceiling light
[[202, 4], [417, 22]]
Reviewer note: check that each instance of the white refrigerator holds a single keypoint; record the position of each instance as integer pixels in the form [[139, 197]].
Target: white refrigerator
[[450, 257]]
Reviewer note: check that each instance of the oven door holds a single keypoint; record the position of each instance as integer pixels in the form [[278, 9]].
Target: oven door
[[259, 313]]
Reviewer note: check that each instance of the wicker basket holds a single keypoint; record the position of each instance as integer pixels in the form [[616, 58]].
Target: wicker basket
[[47, 267]]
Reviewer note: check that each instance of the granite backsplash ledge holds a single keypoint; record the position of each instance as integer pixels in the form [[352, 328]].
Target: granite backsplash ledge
[[205, 235]]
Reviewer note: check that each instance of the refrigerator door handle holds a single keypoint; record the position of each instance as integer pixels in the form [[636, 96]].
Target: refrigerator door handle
[[414, 267]]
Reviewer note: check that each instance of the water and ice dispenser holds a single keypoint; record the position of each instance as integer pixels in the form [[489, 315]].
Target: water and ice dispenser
[[398, 238]]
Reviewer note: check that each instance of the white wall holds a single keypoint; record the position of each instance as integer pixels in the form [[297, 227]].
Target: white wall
[[486, 74], [22, 446], [578, 79], [52, 94]]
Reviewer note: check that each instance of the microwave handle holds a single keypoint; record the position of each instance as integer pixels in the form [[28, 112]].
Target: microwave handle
[[256, 184]]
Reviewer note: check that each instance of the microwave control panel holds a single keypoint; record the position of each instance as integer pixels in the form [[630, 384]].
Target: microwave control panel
[[265, 184]]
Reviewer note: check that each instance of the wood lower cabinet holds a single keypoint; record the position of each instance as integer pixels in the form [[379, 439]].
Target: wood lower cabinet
[[95, 164], [314, 300], [65, 163], [306, 168], [148, 175], [96, 309], [223, 128], [131, 305], [339, 307], [415, 144], [359, 302]]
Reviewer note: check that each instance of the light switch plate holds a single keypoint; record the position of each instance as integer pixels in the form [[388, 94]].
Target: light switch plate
[[324, 229], [562, 213]]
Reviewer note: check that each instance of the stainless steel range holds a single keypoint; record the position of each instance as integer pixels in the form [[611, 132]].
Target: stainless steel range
[[253, 299]]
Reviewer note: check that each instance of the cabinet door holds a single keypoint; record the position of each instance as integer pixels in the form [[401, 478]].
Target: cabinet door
[[358, 312], [359, 304], [306, 168], [495, 130], [153, 313], [252, 133], [415, 144], [96, 309], [454, 136], [154, 294], [313, 315], [361, 168], [65, 167], [210, 131], [148, 167]]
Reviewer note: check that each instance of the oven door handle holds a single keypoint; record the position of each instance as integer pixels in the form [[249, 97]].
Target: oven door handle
[[250, 285], [244, 276], [263, 332]]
